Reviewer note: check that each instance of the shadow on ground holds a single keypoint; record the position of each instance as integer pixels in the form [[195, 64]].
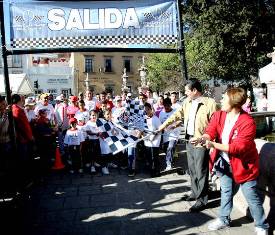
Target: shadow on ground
[[115, 204]]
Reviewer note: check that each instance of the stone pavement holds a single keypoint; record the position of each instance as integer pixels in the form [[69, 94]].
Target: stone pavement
[[68, 204]]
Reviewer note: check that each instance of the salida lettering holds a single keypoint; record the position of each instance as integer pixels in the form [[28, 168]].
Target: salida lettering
[[109, 18]]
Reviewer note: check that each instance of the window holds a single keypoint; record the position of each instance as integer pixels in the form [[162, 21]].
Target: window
[[127, 64], [66, 92], [52, 91], [38, 91], [130, 88], [108, 65], [16, 61], [89, 64]]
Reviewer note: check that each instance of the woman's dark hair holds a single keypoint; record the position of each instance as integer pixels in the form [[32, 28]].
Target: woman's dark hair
[[148, 105], [15, 98], [194, 84]]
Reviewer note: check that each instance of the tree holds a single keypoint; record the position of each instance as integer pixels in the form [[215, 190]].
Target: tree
[[164, 72], [228, 39]]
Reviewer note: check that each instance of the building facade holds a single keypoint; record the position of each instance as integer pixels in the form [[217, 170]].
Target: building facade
[[103, 71], [16, 64], [71, 73], [52, 73]]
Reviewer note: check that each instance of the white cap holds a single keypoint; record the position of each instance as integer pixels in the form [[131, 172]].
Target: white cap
[[29, 101], [59, 98], [129, 94]]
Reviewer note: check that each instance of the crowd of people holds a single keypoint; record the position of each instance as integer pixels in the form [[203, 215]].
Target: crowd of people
[[41, 122], [224, 138]]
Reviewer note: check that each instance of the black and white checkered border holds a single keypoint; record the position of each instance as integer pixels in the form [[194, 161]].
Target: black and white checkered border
[[135, 107], [93, 41], [117, 142]]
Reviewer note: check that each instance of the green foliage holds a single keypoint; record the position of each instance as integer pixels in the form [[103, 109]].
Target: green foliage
[[224, 39], [228, 39], [164, 71]]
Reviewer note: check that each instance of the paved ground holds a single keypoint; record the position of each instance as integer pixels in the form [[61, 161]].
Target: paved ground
[[115, 204]]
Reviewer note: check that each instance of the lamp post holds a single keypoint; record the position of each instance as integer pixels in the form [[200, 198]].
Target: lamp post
[[143, 73], [87, 81], [124, 81], [76, 80]]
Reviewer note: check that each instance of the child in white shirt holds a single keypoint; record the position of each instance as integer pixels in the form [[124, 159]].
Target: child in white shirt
[[93, 142], [82, 113], [171, 133], [153, 142], [84, 149], [73, 139], [106, 153]]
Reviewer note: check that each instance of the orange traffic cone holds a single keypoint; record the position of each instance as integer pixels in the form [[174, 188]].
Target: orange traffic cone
[[58, 165]]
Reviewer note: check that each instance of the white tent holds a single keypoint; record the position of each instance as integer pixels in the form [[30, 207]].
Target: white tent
[[19, 84], [267, 73]]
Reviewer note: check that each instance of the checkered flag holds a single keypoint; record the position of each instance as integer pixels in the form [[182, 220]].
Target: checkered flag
[[135, 107], [133, 117], [117, 139]]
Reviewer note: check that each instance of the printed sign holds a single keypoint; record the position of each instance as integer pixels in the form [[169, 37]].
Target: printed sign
[[95, 24]]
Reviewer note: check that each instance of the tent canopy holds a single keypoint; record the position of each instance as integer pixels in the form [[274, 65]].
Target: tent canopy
[[19, 84]]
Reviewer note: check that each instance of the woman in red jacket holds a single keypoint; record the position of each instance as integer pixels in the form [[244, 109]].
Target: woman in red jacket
[[234, 157]]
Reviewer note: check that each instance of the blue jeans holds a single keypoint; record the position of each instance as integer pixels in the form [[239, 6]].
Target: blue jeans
[[250, 193], [131, 158], [170, 149]]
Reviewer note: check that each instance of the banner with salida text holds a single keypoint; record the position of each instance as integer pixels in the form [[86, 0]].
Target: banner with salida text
[[90, 24]]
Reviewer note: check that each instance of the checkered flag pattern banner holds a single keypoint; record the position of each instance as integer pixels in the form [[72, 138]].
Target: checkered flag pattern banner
[[133, 117], [94, 41], [117, 139]]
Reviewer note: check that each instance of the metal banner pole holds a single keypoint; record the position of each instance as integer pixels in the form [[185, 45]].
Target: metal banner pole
[[181, 41], [6, 73], [4, 55]]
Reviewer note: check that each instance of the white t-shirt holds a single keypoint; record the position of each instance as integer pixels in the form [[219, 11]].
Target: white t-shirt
[[30, 115], [73, 137], [190, 129], [172, 134], [83, 130], [228, 125], [90, 104], [49, 108], [91, 126], [176, 105], [82, 115], [153, 124]]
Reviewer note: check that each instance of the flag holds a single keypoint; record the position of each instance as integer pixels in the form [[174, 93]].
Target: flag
[[133, 116], [116, 138]]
